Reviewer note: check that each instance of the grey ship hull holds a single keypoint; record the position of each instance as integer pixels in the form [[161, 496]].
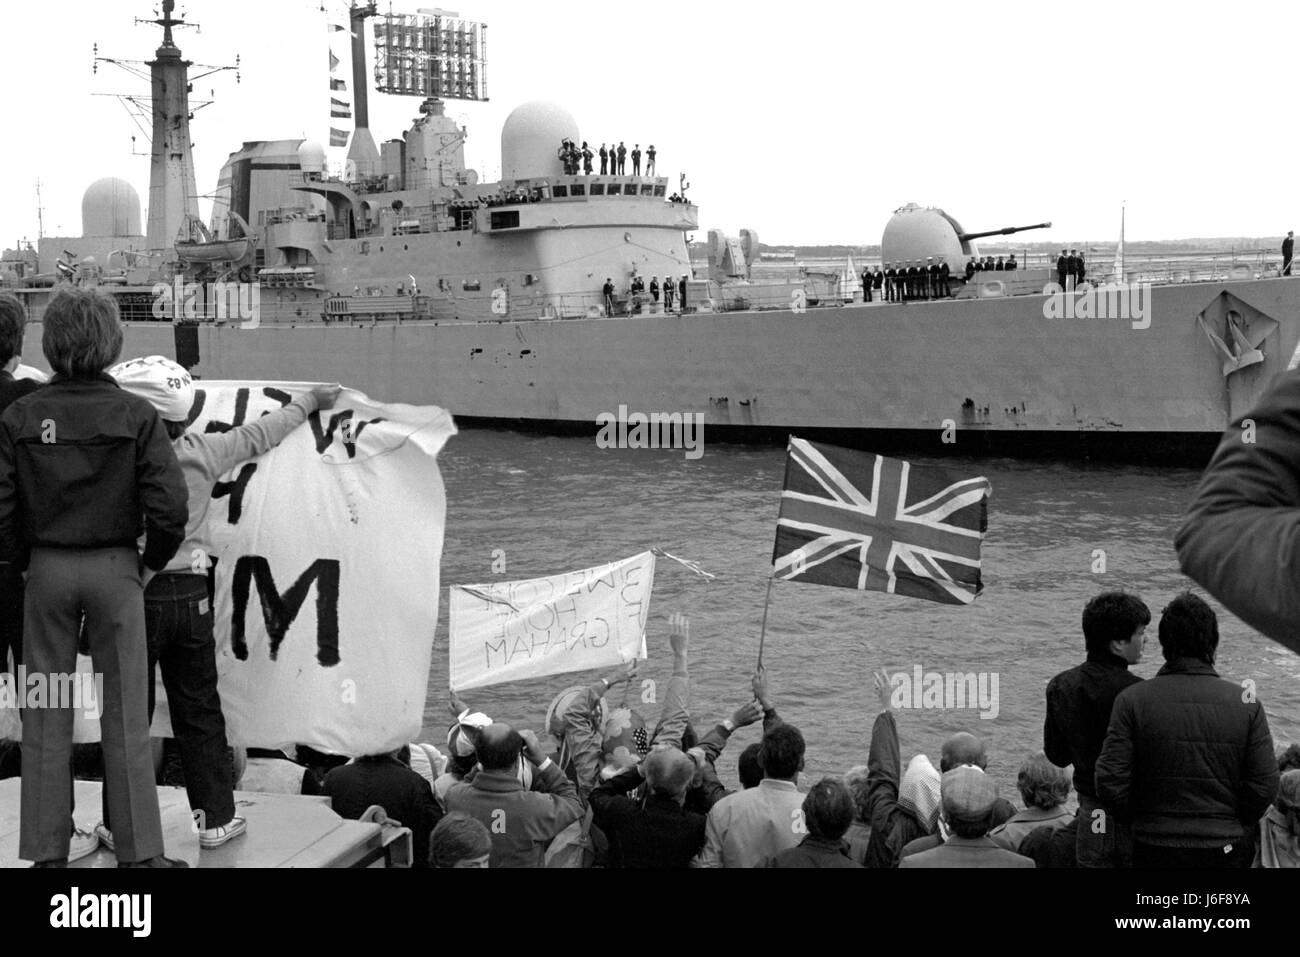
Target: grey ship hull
[[989, 375]]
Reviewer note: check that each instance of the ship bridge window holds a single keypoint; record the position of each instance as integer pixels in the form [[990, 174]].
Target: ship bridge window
[[597, 189], [615, 189], [578, 190], [507, 219], [559, 192], [647, 189], [471, 285], [659, 190]]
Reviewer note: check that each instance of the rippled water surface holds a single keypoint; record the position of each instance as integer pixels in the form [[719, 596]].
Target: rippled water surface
[[558, 504]]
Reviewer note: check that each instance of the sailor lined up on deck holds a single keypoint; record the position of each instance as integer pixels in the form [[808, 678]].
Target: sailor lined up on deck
[[1069, 269], [988, 265], [914, 280], [613, 159]]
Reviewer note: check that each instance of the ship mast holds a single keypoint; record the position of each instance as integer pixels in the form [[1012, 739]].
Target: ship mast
[[173, 196]]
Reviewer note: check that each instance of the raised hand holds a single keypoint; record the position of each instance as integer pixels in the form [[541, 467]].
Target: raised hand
[[759, 685], [679, 633], [881, 680], [532, 747], [747, 714]]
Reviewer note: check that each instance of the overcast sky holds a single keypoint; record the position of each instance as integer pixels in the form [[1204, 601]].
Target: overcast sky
[[808, 122]]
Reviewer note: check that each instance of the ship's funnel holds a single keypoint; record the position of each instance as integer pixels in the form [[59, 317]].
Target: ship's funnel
[[363, 155]]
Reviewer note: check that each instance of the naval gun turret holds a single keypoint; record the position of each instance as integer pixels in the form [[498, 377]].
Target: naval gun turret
[[915, 234]]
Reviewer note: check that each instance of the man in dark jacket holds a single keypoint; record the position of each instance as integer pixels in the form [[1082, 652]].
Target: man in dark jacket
[[1288, 245], [1062, 268], [1240, 539], [13, 322], [1188, 759], [827, 813], [662, 833], [1079, 703], [385, 780]]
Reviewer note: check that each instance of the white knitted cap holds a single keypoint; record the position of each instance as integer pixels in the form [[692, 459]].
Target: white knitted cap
[[166, 385]]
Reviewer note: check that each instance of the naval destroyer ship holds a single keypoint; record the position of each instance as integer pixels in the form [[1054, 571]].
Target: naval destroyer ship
[[410, 279]]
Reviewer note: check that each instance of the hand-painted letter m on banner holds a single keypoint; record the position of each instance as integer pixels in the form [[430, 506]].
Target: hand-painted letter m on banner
[[859, 520]]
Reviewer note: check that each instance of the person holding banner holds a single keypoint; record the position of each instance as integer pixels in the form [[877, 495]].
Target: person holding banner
[[180, 615], [81, 464]]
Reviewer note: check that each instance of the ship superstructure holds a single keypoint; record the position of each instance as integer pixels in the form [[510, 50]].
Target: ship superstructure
[[407, 277]]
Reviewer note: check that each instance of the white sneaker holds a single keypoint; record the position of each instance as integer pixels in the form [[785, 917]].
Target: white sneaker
[[216, 836], [83, 844], [105, 836]]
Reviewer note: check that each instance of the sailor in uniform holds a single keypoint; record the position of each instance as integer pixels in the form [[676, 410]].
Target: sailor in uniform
[[944, 289], [1072, 269], [654, 288], [1078, 270], [608, 290], [587, 155], [866, 284], [650, 160], [878, 280], [1011, 262], [622, 157], [890, 273], [932, 284], [681, 291], [669, 284], [912, 275], [636, 159], [1062, 266], [970, 268], [1000, 266], [604, 160], [1288, 245]]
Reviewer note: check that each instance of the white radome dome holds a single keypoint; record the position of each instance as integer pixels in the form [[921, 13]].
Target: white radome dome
[[311, 156], [531, 138], [110, 207]]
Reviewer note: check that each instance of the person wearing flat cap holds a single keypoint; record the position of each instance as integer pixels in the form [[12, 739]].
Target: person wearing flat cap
[[969, 798]]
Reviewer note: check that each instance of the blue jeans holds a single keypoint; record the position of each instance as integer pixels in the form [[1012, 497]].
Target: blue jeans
[[178, 625]]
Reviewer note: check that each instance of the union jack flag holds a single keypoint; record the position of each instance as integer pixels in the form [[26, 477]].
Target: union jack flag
[[859, 520]]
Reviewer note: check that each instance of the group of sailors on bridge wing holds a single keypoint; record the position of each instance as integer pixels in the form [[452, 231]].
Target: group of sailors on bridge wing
[[613, 159]]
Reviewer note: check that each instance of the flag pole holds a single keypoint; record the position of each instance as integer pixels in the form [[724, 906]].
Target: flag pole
[[762, 631]]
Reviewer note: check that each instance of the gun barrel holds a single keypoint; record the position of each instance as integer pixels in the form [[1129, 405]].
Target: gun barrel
[[1005, 231]]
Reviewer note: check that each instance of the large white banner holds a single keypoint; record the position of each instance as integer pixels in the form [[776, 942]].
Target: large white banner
[[326, 554], [508, 631]]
